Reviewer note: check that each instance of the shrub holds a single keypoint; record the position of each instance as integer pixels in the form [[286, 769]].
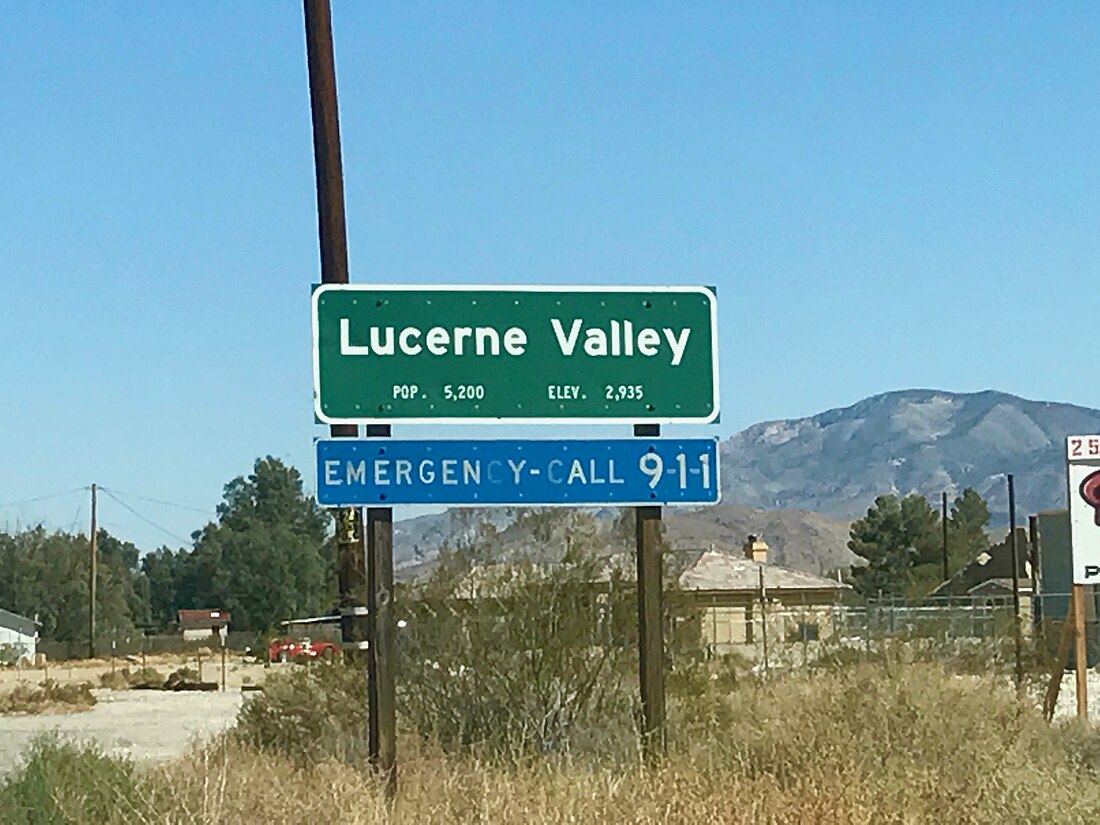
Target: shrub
[[49, 697], [65, 782], [510, 659], [115, 679], [10, 655], [125, 678], [146, 677], [308, 714]]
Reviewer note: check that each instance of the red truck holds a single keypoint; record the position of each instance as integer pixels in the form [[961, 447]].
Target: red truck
[[296, 650]]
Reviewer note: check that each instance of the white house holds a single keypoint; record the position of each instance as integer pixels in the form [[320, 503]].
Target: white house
[[18, 638]]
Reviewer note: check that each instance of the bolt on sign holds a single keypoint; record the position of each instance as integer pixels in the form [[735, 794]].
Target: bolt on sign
[[1083, 473], [514, 353]]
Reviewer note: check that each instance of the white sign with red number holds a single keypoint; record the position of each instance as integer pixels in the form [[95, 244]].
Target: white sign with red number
[[1083, 472]]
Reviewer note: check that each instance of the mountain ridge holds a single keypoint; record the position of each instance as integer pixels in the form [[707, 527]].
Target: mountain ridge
[[799, 482], [924, 441]]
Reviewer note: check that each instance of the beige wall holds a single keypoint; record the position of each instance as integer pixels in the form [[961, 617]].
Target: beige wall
[[728, 628]]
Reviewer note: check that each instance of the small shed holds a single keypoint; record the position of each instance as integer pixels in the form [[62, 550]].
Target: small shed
[[196, 625], [18, 638]]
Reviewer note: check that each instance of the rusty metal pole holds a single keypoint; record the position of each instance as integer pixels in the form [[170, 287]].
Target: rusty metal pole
[[332, 232], [651, 642]]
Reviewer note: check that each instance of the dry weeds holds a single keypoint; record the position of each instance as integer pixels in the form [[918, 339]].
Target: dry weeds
[[868, 744], [47, 698]]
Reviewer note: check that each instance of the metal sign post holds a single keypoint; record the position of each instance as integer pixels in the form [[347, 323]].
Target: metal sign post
[[651, 623]]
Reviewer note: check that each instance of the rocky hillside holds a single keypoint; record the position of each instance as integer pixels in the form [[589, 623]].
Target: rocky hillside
[[922, 441], [798, 539], [798, 483], [805, 541]]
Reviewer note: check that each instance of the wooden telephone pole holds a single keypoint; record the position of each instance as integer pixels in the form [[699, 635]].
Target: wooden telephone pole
[[365, 572], [93, 550]]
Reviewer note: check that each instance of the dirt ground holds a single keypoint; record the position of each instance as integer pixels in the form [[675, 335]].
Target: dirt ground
[[238, 671], [147, 725], [1067, 697]]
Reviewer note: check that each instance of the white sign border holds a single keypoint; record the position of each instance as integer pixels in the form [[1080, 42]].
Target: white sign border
[[1075, 506], [680, 505], [321, 289]]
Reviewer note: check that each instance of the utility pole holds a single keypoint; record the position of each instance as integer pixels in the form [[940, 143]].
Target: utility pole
[[365, 573], [764, 619], [1015, 582], [332, 232], [92, 578], [943, 519], [651, 633]]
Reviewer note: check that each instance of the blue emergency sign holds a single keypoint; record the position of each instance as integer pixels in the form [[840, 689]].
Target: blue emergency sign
[[625, 472]]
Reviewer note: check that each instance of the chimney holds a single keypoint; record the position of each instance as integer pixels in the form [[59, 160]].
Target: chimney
[[756, 550]]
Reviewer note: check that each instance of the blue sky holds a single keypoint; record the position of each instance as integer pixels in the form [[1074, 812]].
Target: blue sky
[[887, 196]]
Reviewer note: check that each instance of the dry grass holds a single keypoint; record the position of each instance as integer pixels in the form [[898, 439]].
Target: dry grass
[[868, 744], [48, 697]]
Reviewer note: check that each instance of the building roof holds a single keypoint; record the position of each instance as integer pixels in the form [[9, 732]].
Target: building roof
[[197, 619], [702, 570], [20, 624], [720, 571], [998, 586], [995, 563]]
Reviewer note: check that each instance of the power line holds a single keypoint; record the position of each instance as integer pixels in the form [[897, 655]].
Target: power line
[[76, 517], [148, 521], [44, 498], [204, 511]]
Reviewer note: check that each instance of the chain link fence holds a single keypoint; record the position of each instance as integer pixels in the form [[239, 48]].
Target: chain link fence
[[968, 633]]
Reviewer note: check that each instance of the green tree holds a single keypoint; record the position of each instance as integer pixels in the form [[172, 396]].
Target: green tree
[[267, 558], [46, 575], [966, 528], [162, 569], [898, 541], [878, 539]]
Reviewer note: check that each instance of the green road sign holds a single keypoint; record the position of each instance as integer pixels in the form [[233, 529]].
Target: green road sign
[[521, 354]]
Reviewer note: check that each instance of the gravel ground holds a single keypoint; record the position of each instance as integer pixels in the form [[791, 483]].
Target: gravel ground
[[147, 725]]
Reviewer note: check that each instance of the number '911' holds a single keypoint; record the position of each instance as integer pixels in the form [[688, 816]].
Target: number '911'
[[654, 466]]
